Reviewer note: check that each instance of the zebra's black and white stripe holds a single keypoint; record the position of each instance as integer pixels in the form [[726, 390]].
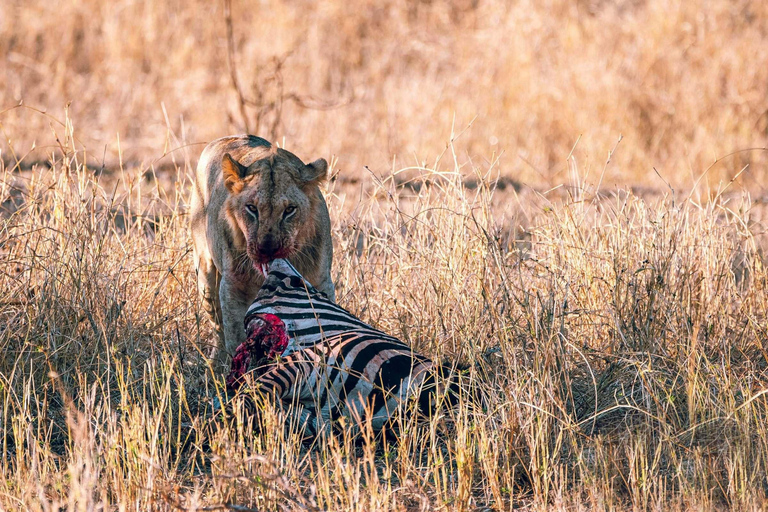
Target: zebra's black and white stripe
[[338, 366], [307, 313], [353, 375]]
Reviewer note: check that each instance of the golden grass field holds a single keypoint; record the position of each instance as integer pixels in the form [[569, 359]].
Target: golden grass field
[[570, 197]]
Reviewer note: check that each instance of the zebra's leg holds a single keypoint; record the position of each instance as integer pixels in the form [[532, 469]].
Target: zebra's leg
[[300, 418], [304, 420]]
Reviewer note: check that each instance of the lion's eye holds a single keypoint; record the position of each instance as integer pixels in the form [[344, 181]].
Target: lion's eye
[[252, 210], [289, 210]]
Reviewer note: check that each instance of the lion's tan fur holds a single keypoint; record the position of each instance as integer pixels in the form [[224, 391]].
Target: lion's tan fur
[[243, 171]]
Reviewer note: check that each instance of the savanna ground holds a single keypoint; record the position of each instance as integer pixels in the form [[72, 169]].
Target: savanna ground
[[568, 196]]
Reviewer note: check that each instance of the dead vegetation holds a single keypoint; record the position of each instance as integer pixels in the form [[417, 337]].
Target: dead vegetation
[[620, 347], [618, 334], [683, 83]]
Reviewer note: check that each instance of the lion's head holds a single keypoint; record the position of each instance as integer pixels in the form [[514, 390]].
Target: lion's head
[[273, 201]]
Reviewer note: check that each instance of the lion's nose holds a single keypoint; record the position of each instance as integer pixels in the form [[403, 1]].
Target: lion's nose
[[268, 246]]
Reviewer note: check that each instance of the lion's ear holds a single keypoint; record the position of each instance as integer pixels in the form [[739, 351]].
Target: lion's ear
[[315, 172], [233, 173]]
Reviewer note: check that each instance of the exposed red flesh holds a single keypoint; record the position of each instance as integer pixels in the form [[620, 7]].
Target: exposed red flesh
[[267, 338]]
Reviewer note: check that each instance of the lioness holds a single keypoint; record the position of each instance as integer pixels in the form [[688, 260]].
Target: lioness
[[252, 203]]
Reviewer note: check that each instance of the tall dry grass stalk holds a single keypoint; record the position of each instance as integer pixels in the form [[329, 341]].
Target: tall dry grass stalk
[[618, 345]]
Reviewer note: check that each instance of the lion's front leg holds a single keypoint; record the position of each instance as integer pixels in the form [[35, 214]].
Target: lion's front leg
[[234, 299]]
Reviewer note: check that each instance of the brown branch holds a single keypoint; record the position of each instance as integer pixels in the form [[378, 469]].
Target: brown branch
[[262, 106], [232, 65]]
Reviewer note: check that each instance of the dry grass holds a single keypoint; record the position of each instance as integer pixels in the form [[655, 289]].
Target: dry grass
[[684, 83], [619, 338], [619, 343]]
